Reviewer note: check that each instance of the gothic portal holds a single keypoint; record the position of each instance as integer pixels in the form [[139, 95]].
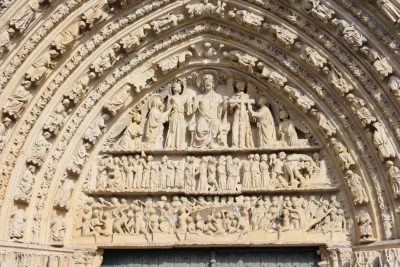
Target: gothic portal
[[200, 124]]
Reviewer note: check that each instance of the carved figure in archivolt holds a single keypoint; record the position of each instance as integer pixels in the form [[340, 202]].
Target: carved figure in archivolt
[[26, 184], [394, 177], [40, 68], [166, 22], [5, 40], [318, 10], [265, 123], [39, 150], [118, 102], [17, 222], [208, 109], [177, 125], [390, 10], [342, 153], [17, 102], [240, 103], [355, 183], [382, 142], [351, 35], [21, 21], [206, 8], [64, 193], [6, 122], [365, 226]]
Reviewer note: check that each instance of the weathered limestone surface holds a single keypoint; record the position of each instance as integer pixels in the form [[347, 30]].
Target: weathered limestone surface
[[199, 123]]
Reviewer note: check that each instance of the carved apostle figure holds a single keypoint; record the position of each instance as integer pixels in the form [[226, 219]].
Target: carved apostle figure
[[17, 224], [16, 103], [382, 142], [241, 129], [155, 123], [266, 134], [177, 125], [394, 177], [3, 131], [208, 108]]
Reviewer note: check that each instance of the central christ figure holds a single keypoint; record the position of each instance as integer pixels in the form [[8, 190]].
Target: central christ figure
[[209, 108]]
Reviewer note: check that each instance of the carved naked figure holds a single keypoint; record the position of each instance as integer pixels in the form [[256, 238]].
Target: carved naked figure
[[166, 22], [133, 39], [26, 185], [5, 40], [177, 126], [64, 193], [365, 225], [119, 101], [350, 34], [174, 61], [21, 20], [391, 11], [154, 127], [67, 37], [277, 173], [206, 8], [38, 70], [318, 10], [287, 130], [356, 187], [17, 102], [247, 18], [95, 130], [212, 174], [382, 142], [39, 150], [17, 222], [266, 134], [311, 56], [208, 109], [132, 135], [57, 229], [241, 129], [343, 155], [394, 177]]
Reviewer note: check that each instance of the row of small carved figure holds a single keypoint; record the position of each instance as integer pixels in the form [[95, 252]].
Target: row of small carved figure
[[210, 215], [206, 174]]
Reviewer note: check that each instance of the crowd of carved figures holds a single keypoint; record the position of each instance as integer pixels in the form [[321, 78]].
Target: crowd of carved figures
[[210, 120], [22, 95], [209, 173], [213, 216]]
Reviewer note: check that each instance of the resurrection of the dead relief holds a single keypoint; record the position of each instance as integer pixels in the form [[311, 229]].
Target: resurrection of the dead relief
[[200, 123]]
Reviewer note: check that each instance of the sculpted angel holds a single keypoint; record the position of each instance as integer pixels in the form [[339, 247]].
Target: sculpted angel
[[155, 123]]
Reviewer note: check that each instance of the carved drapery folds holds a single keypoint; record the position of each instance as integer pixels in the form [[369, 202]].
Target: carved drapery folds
[[214, 100]]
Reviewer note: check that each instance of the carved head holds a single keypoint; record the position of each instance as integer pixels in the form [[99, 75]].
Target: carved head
[[240, 86], [264, 157], [283, 114], [282, 155], [7, 121], [208, 82], [262, 101], [177, 87]]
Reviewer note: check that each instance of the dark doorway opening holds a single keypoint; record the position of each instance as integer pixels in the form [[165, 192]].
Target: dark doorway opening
[[212, 257]]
